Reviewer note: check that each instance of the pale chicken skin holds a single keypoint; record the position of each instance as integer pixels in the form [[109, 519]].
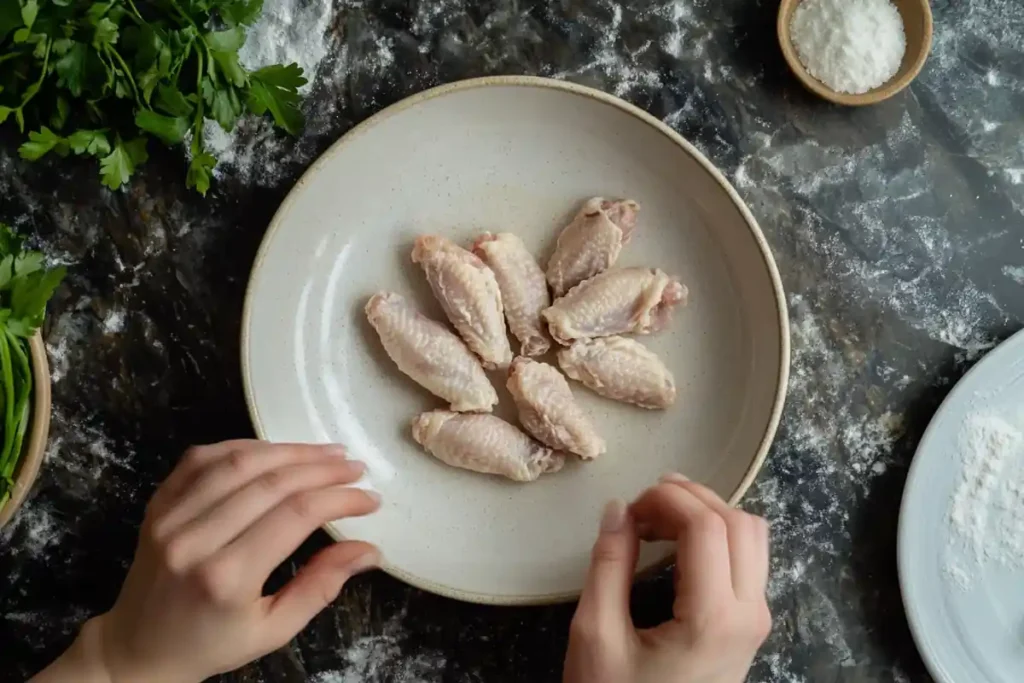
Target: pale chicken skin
[[591, 243], [430, 354], [618, 301], [485, 444], [548, 410], [621, 369], [469, 294], [524, 291]]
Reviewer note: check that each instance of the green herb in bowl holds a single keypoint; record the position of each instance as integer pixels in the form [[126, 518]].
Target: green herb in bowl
[[25, 287], [100, 78]]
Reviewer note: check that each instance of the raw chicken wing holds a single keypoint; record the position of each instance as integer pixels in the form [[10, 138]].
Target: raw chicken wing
[[484, 443], [524, 292], [548, 410], [430, 354], [621, 369], [591, 243], [468, 294], [617, 301]]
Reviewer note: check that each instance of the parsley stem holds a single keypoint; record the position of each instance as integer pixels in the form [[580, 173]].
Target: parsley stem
[[135, 11], [38, 84], [111, 52]]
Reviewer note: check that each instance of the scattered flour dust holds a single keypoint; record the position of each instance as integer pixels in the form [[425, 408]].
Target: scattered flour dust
[[385, 657], [986, 511], [289, 31]]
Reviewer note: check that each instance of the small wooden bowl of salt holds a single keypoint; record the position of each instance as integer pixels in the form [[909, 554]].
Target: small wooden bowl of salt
[[855, 52]]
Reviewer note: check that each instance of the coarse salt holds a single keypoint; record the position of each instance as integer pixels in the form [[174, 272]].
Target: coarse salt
[[852, 46]]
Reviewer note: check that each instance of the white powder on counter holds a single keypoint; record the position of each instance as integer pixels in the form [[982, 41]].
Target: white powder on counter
[[852, 46], [986, 512], [289, 31]]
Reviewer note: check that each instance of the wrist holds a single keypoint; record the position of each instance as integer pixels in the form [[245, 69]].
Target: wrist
[[106, 649], [88, 648], [81, 663]]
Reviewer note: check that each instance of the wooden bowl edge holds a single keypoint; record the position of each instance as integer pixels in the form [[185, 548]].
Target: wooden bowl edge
[[39, 430]]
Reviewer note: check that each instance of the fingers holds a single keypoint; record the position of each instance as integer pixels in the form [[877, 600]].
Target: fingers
[[191, 463], [225, 521], [748, 543], [315, 586], [672, 512], [748, 540], [277, 534], [228, 467], [604, 603]]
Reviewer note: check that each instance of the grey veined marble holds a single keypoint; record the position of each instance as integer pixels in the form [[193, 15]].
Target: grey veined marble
[[899, 230]]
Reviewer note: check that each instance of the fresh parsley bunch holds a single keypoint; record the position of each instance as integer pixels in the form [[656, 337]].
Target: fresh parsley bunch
[[25, 287], [101, 78]]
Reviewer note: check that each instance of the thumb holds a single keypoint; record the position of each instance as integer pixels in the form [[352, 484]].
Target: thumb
[[604, 603], [315, 587]]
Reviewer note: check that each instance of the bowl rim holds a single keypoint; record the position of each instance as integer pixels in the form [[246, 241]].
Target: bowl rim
[[34, 449], [782, 377], [879, 94]]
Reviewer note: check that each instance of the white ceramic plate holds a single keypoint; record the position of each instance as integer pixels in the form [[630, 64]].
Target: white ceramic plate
[[513, 154], [968, 629]]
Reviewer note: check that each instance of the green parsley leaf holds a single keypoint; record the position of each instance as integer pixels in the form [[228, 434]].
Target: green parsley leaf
[[29, 294], [71, 68], [29, 12], [60, 112], [118, 166], [229, 66], [170, 129], [40, 142], [200, 171], [225, 108], [230, 40], [91, 142], [106, 33], [172, 101], [241, 12], [275, 89]]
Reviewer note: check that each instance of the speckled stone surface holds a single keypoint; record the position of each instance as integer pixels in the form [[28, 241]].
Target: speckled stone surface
[[898, 230]]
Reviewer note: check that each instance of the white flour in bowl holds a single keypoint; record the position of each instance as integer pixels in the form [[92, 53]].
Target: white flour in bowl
[[852, 46], [986, 511]]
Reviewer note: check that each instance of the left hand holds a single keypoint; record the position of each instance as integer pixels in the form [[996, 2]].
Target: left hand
[[192, 605]]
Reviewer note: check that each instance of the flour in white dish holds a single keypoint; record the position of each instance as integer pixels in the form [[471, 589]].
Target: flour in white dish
[[986, 511]]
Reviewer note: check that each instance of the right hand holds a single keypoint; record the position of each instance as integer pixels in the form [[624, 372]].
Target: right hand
[[720, 613]]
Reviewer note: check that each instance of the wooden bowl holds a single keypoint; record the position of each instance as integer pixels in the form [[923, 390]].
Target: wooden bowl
[[917, 24], [34, 447]]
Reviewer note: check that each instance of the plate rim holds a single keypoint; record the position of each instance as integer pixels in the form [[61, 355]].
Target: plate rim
[[915, 620], [782, 313]]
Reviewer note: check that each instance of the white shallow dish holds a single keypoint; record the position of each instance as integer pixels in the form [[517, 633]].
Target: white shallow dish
[[972, 633], [513, 154]]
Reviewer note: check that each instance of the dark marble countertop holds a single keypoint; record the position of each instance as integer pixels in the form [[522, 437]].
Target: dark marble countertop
[[898, 230]]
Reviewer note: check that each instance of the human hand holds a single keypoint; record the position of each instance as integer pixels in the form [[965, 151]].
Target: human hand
[[720, 613], [192, 605]]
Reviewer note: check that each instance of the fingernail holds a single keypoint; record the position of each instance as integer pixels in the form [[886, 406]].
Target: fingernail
[[614, 517], [673, 478], [373, 495], [364, 563], [336, 450]]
